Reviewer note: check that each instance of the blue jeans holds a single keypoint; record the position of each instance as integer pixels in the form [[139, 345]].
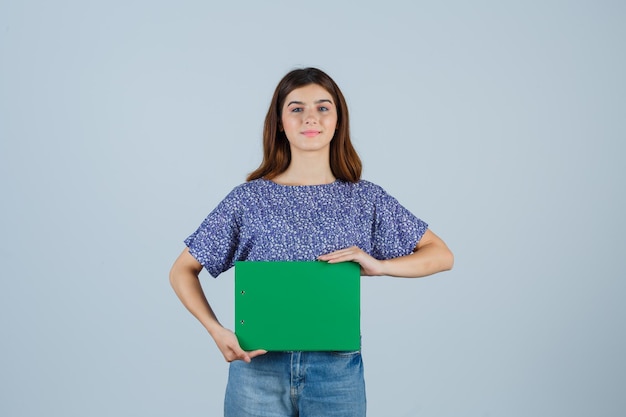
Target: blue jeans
[[297, 384]]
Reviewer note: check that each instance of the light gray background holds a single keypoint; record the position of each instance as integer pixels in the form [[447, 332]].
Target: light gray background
[[122, 124]]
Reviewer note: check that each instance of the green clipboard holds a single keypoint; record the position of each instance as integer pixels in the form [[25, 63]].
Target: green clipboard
[[298, 306]]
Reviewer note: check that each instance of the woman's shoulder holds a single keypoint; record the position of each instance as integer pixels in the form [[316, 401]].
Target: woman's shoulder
[[366, 187], [249, 185], [248, 189]]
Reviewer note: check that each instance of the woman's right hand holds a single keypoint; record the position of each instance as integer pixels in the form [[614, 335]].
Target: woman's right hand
[[184, 280], [229, 346]]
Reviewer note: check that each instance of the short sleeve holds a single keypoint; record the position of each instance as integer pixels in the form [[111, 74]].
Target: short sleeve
[[215, 242], [396, 231]]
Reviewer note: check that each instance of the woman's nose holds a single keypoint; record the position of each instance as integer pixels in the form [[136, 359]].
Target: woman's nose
[[310, 117]]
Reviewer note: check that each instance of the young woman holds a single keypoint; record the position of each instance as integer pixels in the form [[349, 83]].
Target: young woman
[[305, 202]]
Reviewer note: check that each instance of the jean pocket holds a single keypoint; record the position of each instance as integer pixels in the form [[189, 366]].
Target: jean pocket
[[345, 353]]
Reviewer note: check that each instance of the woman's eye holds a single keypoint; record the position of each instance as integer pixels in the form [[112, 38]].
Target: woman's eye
[[296, 110], [323, 108]]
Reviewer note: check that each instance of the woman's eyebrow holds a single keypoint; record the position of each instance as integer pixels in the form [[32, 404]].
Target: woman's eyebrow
[[323, 100]]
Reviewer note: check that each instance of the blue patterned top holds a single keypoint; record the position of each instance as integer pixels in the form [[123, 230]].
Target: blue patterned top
[[261, 220]]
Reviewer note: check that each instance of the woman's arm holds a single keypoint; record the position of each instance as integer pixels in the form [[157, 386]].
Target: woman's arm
[[431, 255], [184, 280]]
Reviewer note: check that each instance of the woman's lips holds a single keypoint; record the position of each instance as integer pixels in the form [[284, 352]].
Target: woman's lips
[[311, 133]]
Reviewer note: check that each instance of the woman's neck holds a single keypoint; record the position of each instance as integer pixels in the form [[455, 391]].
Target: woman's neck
[[306, 171]]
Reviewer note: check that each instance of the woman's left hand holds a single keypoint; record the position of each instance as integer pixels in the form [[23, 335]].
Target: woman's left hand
[[369, 264], [431, 255]]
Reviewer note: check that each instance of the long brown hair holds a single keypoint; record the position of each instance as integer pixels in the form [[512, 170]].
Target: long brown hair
[[345, 163]]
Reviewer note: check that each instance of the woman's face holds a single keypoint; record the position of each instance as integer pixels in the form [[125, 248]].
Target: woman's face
[[309, 119]]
